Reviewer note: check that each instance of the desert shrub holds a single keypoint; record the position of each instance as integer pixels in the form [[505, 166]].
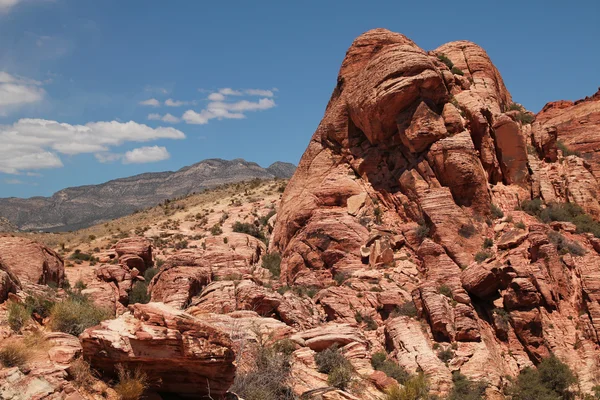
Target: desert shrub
[[496, 211], [422, 231], [467, 231], [552, 380], [265, 219], [158, 262], [487, 243], [76, 314], [78, 255], [566, 150], [416, 388], [443, 58], [532, 207], [79, 285], [249, 229], [560, 212], [39, 305], [139, 293], [408, 308], [445, 290], [332, 362], [514, 107], [150, 273], [525, 118], [81, 373], [378, 214], [18, 316], [457, 71], [268, 374], [380, 362], [564, 245], [14, 354], [445, 355], [520, 225], [481, 256], [466, 389], [216, 230], [272, 262], [132, 384], [340, 277]]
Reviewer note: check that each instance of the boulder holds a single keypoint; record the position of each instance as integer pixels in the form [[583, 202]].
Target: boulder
[[31, 262]]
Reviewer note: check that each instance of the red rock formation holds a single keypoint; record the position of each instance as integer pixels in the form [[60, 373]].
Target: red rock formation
[[135, 246], [181, 354], [31, 262]]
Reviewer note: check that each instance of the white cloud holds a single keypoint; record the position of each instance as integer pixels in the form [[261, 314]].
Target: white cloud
[[176, 103], [150, 102], [143, 155], [107, 157], [14, 182], [230, 92], [6, 5], [216, 97], [223, 110], [259, 92], [16, 92], [171, 119], [33, 144]]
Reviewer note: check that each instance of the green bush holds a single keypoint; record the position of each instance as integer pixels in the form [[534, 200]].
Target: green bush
[[139, 293], [340, 377], [75, 314], [457, 71], [532, 207], [18, 316], [272, 262], [216, 230], [249, 229], [564, 245], [467, 231], [340, 277], [487, 243], [465, 389], [520, 225], [265, 219], [552, 380], [14, 354], [565, 150], [525, 118], [445, 290], [332, 362], [150, 273], [408, 309], [445, 355], [443, 58], [422, 231], [39, 305], [78, 255], [380, 362], [79, 285], [496, 211], [481, 256], [416, 388]]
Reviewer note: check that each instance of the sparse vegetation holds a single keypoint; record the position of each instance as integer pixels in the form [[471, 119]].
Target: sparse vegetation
[[520, 225], [416, 388], [150, 273], [408, 309], [446, 291], [249, 229], [332, 362], [481, 256], [422, 231], [81, 373], [272, 262], [340, 277], [566, 151], [132, 384], [139, 293], [14, 354], [564, 245], [445, 355], [552, 380], [487, 243], [466, 389], [18, 316], [467, 230], [216, 230], [496, 211], [75, 314], [457, 71], [381, 362], [443, 58]]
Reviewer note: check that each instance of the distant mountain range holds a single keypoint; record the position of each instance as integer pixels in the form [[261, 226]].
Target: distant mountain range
[[83, 206]]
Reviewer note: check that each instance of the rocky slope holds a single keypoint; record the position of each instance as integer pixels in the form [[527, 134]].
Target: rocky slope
[[78, 207], [432, 227]]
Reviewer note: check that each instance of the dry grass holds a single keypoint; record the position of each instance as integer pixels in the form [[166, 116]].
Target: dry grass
[[15, 354], [73, 316], [131, 384], [82, 374], [18, 316]]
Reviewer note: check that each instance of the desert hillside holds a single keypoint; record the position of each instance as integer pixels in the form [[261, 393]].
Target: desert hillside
[[436, 241]]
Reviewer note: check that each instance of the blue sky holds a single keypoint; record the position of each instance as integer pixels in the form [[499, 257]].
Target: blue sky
[[245, 79]]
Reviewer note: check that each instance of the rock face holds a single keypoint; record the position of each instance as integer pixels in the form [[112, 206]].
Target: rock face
[[135, 252], [399, 187], [576, 124], [190, 358], [31, 261]]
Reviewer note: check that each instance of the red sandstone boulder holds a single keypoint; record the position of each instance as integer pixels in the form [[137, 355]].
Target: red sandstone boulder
[[31, 262], [181, 354], [137, 246]]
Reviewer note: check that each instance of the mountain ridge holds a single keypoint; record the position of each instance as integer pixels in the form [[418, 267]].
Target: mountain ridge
[[81, 206]]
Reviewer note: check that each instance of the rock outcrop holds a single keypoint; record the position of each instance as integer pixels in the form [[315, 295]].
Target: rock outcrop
[[180, 354], [418, 157], [31, 262]]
